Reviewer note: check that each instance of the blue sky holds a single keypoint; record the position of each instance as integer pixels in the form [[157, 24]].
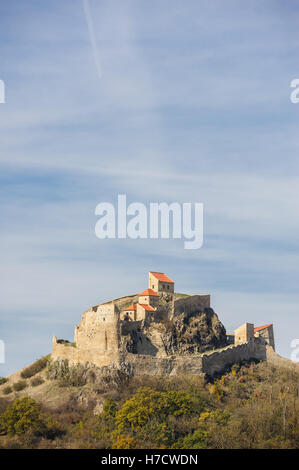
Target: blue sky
[[193, 104]]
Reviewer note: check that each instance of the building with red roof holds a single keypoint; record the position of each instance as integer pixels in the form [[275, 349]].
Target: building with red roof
[[149, 292], [260, 328], [148, 300], [137, 312], [148, 308], [246, 333], [149, 297], [267, 333], [131, 307], [160, 283]]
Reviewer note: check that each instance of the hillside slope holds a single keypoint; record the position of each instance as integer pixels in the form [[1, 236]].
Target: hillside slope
[[254, 405]]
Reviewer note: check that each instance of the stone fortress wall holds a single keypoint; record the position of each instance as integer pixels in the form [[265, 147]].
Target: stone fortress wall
[[96, 338], [100, 337], [209, 363]]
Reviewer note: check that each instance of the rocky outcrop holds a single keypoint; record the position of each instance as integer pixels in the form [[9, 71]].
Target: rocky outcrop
[[187, 334], [195, 333], [184, 329]]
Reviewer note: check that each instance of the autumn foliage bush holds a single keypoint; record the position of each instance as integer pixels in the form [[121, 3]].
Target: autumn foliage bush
[[25, 415], [250, 406]]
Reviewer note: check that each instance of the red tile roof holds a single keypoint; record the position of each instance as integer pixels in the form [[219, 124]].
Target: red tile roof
[[145, 306], [262, 327], [131, 307], [148, 307], [149, 292], [161, 277]]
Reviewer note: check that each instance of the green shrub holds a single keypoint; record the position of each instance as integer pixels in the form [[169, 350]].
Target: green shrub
[[7, 390], [109, 409], [24, 415], [18, 386], [3, 380], [36, 381], [36, 367], [196, 440], [148, 403], [124, 442], [179, 403]]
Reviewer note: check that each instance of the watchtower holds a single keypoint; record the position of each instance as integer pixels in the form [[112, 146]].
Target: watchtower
[[160, 283]]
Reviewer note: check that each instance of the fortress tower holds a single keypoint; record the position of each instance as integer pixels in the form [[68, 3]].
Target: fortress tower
[[160, 283]]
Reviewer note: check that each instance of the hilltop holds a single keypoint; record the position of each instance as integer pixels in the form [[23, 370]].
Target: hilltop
[[154, 370], [160, 332]]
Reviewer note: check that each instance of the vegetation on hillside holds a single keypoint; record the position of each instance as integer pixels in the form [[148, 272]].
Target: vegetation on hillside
[[24, 417], [35, 368], [251, 406]]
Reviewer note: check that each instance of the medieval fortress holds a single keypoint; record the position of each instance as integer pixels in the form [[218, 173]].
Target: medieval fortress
[[160, 332]]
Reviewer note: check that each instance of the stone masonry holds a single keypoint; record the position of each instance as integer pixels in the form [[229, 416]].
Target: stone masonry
[[159, 332]]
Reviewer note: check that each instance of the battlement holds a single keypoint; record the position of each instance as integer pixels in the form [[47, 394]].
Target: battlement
[[160, 332]]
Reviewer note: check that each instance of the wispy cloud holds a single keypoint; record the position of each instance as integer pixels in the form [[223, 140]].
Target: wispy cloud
[[92, 36], [193, 105]]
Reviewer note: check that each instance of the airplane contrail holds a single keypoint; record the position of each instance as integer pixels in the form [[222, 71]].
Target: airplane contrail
[[92, 36]]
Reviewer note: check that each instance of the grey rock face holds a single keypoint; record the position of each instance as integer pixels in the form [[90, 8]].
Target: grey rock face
[[188, 331], [194, 333]]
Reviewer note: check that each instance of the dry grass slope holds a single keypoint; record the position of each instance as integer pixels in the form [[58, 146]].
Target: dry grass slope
[[254, 405]]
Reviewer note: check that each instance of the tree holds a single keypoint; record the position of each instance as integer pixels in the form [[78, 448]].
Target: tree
[[24, 415]]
